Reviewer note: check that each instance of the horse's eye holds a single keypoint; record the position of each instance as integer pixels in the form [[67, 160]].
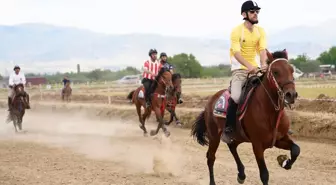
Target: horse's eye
[[275, 73]]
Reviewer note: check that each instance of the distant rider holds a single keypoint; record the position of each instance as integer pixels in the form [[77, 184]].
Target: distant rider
[[151, 69], [16, 78], [65, 81], [165, 64]]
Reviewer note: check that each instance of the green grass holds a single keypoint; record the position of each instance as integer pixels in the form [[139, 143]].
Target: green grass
[[315, 92]]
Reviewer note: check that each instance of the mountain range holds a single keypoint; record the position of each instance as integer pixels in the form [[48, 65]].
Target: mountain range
[[49, 48]]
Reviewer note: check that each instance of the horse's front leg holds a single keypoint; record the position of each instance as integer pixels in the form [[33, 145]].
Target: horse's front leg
[[160, 125], [258, 150], [27, 101], [178, 122], [240, 166], [171, 117], [287, 144]]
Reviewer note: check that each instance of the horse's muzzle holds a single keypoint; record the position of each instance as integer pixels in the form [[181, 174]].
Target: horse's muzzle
[[291, 96]]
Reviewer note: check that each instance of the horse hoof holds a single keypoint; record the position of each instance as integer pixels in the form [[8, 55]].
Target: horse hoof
[[167, 133], [282, 159], [240, 181], [145, 134], [178, 124], [153, 133]]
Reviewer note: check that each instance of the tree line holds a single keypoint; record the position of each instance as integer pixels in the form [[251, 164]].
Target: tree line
[[308, 65], [189, 67]]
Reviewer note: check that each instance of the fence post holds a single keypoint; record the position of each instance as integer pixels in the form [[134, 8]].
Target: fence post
[[109, 96], [40, 87]]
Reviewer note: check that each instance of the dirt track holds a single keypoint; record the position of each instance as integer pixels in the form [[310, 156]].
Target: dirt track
[[68, 148]]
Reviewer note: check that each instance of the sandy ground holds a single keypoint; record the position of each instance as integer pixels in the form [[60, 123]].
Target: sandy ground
[[64, 148]]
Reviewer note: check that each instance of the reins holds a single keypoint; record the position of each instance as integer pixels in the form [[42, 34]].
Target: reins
[[279, 107]]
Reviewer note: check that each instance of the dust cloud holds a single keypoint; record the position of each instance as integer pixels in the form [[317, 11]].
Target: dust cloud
[[116, 140]]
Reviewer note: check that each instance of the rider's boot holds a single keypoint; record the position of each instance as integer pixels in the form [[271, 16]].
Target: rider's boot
[[147, 97], [27, 101], [231, 119], [148, 102], [179, 99], [9, 104]]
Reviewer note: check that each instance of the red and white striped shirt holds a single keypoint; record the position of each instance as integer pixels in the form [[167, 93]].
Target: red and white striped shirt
[[154, 67]]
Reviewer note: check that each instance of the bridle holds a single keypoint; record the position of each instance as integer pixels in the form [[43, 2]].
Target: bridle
[[164, 82], [279, 87]]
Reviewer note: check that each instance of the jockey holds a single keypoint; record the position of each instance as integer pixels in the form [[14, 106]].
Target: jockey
[[247, 40], [16, 78], [165, 64], [65, 81], [151, 70]]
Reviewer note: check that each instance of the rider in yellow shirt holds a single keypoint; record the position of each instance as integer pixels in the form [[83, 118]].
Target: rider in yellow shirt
[[247, 41]]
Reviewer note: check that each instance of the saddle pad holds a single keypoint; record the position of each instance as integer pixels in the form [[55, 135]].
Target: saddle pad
[[222, 104]]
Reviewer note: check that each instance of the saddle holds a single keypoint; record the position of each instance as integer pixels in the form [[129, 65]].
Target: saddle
[[248, 89], [222, 104], [142, 91]]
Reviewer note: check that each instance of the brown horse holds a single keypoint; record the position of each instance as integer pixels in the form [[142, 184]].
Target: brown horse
[[67, 92], [19, 105], [173, 101], [163, 88], [263, 123]]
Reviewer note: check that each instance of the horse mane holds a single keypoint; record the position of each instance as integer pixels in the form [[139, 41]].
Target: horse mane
[[157, 78], [18, 85], [176, 76], [277, 55]]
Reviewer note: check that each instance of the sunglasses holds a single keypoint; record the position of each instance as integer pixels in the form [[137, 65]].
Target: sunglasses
[[254, 11]]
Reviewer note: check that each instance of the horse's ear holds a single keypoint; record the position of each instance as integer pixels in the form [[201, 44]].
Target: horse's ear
[[286, 54], [269, 56]]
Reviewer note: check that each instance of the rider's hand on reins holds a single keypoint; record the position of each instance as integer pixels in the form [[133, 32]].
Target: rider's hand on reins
[[253, 70], [264, 68]]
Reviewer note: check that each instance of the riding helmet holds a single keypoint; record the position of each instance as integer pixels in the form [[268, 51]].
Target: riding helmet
[[163, 54], [16, 67], [249, 5], [151, 51]]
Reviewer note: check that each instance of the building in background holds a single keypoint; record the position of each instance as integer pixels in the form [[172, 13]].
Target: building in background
[[29, 81], [36, 81]]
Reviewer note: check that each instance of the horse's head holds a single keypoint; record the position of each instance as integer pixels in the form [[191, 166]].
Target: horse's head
[[67, 84], [280, 76], [19, 90], [177, 81], [164, 79]]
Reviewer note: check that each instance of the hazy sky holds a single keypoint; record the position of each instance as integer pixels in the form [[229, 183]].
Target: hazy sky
[[167, 17]]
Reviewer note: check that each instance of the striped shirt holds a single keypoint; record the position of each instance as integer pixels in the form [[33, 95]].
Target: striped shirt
[[154, 67]]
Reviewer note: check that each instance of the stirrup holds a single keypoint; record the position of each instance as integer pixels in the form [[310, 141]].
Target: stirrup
[[228, 130]]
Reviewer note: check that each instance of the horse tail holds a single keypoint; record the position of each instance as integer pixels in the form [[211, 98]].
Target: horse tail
[[130, 95], [199, 129]]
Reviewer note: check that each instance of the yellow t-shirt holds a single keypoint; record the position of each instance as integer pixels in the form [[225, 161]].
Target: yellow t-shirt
[[249, 44]]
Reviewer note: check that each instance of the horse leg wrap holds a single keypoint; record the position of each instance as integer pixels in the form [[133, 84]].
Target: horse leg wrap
[[27, 100], [9, 103]]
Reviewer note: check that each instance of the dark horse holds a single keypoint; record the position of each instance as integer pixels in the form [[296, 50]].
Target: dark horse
[[173, 101], [67, 92], [18, 107], [163, 88], [263, 122]]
